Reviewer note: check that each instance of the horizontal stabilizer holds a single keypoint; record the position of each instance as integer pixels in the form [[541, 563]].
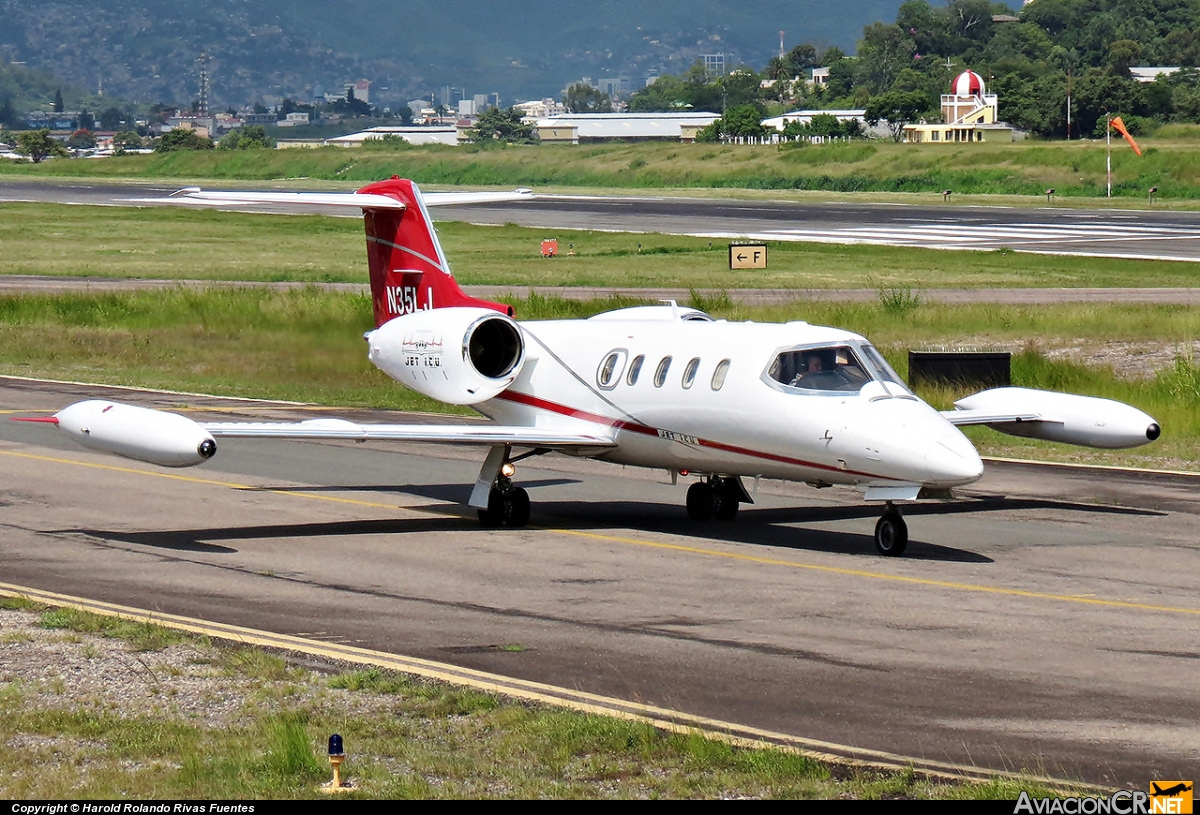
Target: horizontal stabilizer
[[451, 434], [335, 199]]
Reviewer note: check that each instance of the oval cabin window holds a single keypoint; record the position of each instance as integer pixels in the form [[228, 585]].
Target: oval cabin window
[[689, 373], [660, 376], [610, 370], [635, 369], [718, 380]]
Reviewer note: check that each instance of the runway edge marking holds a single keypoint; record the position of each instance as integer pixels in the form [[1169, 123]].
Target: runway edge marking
[[581, 701]]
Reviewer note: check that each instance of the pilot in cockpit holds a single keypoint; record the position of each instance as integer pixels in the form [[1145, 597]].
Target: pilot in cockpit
[[812, 363]]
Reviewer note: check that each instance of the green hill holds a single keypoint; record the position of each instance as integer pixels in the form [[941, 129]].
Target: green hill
[[146, 50]]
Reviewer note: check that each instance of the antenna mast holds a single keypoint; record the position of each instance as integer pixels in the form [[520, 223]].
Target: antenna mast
[[202, 112]]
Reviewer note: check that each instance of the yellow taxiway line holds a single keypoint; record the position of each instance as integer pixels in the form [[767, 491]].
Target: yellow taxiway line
[[581, 701]]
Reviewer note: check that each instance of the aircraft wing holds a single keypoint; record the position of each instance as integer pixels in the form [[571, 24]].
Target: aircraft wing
[[964, 418], [339, 199], [457, 434]]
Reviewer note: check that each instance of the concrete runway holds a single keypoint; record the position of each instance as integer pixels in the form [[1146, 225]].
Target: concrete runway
[[1045, 622], [1098, 233]]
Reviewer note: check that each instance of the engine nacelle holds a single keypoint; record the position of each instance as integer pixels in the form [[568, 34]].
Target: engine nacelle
[[1069, 418], [461, 356], [154, 436]]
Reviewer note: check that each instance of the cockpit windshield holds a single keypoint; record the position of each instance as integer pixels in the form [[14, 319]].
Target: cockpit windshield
[[845, 367], [831, 368], [882, 369]]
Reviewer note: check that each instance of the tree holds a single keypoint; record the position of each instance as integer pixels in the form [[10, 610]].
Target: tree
[[741, 121], [58, 101], [111, 118], [495, 125], [252, 137], [38, 145], [183, 138], [898, 108], [583, 98], [8, 116], [81, 139], [126, 140]]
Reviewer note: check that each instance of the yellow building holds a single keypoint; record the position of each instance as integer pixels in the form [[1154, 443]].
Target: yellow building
[[969, 114]]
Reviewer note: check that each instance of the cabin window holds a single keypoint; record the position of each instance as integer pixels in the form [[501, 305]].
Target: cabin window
[[660, 375], [689, 373], [832, 368], [718, 380], [635, 368], [610, 369]]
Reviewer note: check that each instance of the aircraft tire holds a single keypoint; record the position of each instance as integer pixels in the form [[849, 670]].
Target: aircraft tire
[[516, 508], [495, 513], [725, 502], [700, 501], [891, 534]]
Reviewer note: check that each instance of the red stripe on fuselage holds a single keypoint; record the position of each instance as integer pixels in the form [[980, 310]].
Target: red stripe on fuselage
[[638, 427], [45, 419]]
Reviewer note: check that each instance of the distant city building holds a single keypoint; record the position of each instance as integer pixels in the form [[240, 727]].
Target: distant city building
[[616, 86], [362, 90], [581, 128], [714, 64], [541, 109], [413, 135], [466, 107], [969, 114], [1149, 74], [819, 78], [297, 119]]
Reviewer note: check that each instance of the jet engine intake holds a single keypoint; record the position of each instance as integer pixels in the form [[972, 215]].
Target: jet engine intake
[[460, 355]]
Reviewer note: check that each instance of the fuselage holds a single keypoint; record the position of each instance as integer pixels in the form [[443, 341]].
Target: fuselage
[[682, 392]]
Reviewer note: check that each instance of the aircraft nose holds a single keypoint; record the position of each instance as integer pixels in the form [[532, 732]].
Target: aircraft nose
[[951, 460]]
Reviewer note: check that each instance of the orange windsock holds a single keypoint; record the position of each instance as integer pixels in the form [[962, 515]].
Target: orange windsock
[[1120, 126]]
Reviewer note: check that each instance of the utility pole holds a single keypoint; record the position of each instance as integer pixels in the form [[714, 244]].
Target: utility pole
[[1068, 104], [1108, 147]]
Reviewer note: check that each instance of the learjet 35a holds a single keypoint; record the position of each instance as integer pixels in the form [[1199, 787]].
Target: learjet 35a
[[652, 386]]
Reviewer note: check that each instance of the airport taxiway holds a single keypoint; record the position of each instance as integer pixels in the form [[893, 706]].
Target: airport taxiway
[[1045, 622]]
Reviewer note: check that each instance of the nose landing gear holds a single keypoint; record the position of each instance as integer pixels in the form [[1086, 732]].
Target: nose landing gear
[[719, 497], [891, 532]]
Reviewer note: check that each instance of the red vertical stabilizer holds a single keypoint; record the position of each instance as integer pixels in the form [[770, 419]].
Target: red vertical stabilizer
[[408, 269]]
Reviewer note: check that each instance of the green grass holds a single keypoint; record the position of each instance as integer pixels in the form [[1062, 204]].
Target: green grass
[[405, 738], [306, 345], [141, 635], [168, 243], [1170, 161]]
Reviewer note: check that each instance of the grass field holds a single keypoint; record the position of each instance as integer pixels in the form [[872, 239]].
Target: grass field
[[1075, 169], [154, 714], [306, 345], [180, 243]]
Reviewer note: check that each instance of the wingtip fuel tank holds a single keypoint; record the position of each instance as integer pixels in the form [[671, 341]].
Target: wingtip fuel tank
[[143, 434]]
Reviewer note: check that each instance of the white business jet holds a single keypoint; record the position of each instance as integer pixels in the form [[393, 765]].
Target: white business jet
[[652, 386]]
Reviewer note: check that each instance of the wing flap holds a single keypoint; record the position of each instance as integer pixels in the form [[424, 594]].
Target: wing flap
[[449, 434]]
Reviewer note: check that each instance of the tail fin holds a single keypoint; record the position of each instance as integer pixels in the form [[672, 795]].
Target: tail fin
[[408, 269]]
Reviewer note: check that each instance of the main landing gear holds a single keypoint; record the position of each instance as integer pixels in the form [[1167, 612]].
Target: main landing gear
[[506, 505], [719, 497], [891, 532]]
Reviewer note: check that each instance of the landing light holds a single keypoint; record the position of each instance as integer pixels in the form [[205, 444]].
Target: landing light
[[507, 469]]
